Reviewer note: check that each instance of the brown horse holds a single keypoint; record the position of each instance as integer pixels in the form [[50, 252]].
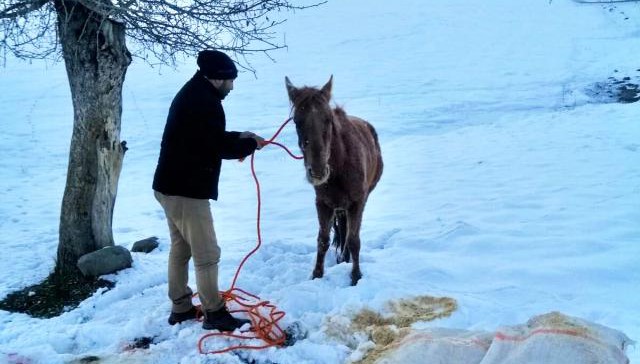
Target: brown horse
[[343, 163]]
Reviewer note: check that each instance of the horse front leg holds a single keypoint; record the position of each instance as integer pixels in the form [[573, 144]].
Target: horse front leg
[[354, 220], [325, 215]]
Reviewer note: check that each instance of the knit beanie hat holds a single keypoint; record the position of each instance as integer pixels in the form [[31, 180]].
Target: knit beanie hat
[[216, 65]]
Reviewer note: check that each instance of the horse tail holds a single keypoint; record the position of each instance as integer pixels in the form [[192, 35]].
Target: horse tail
[[340, 236]]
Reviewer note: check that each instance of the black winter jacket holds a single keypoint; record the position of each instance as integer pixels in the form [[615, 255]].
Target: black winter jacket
[[195, 142]]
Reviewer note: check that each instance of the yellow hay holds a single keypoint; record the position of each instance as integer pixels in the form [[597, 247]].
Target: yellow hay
[[559, 321], [422, 308], [385, 331]]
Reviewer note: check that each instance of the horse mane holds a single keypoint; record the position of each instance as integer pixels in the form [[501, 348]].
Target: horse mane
[[339, 113], [309, 95], [306, 95]]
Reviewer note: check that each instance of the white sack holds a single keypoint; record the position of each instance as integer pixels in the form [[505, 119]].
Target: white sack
[[552, 338]]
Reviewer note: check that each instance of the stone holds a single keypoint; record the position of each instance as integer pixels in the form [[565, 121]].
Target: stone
[[105, 261], [145, 245]]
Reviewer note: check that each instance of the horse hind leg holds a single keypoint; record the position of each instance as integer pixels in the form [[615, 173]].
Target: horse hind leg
[[325, 216]]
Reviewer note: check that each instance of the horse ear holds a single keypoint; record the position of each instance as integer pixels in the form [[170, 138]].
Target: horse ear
[[291, 90], [326, 89]]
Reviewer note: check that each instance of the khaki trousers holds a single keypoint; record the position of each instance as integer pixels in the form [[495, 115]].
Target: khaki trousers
[[192, 235]]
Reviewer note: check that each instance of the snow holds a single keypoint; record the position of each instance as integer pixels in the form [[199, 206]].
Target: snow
[[506, 186]]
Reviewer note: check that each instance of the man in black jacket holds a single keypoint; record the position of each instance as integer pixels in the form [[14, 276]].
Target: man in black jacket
[[194, 143]]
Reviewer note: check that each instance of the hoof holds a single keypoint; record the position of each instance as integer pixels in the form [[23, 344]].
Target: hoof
[[355, 277], [317, 274]]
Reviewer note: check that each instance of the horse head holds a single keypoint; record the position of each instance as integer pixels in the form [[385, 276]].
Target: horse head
[[313, 118]]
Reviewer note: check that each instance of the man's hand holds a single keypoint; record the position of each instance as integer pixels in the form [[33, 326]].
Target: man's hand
[[259, 140]]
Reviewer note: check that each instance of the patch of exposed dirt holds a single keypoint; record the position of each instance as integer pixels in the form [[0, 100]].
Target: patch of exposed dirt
[[621, 89], [58, 293]]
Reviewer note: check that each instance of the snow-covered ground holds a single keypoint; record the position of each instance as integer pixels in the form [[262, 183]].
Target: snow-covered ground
[[507, 186]]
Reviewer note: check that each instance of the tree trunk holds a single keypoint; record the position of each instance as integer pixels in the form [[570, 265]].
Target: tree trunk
[[96, 60]]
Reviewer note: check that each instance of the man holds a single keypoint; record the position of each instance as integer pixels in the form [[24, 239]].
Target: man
[[194, 143]]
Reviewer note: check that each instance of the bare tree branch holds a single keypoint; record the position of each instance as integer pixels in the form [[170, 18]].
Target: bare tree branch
[[162, 30], [21, 8], [29, 36]]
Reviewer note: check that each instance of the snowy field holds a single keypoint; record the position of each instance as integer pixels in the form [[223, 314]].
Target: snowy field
[[507, 186]]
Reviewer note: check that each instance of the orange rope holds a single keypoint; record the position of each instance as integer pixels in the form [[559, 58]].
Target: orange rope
[[264, 316]]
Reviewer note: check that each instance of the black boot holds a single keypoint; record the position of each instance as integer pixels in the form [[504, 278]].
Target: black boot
[[222, 320], [176, 318]]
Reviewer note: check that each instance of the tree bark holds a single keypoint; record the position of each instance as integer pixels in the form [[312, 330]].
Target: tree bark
[[96, 59]]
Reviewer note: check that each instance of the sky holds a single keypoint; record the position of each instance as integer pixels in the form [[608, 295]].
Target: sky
[[510, 184]]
